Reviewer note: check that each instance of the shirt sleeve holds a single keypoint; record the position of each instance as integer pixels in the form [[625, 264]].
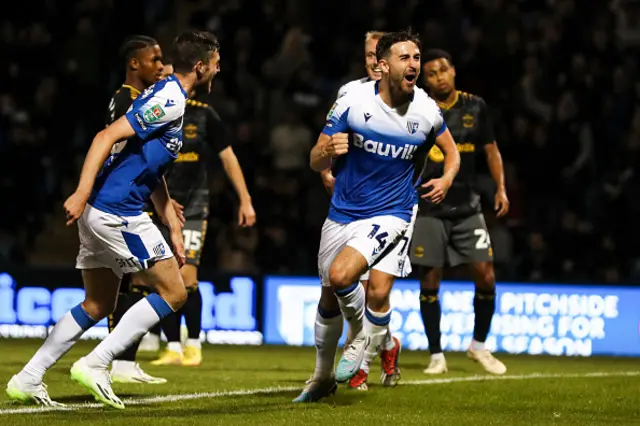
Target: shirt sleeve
[[486, 133], [152, 113], [337, 118], [218, 134], [342, 91], [439, 125]]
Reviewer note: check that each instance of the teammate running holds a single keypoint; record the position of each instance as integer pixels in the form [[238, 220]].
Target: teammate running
[[374, 197], [123, 169], [454, 232], [143, 59]]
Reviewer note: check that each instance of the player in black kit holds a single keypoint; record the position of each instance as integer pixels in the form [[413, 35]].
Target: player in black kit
[[143, 58], [454, 232], [204, 136]]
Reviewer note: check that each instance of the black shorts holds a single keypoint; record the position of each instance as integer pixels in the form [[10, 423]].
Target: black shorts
[[440, 242], [194, 233]]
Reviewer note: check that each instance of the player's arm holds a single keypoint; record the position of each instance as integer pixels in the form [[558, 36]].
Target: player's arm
[[246, 212], [333, 141], [328, 180], [444, 140], [163, 205], [98, 153], [494, 160], [221, 140]]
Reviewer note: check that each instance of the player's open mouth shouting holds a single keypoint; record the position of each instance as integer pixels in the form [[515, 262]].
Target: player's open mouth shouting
[[410, 77]]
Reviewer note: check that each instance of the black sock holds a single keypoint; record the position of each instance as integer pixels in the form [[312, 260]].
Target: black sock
[[484, 304], [430, 309], [156, 329], [193, 312], [171, 326], [124, 303]]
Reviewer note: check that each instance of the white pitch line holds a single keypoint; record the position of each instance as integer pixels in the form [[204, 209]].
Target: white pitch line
[[159, 399]]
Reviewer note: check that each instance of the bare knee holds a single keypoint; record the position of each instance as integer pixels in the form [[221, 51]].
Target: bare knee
[[484, 276], [339, 277], [430, 278], [379, 290]]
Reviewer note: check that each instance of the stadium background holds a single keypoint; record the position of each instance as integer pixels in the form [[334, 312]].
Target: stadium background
[[560, 78]]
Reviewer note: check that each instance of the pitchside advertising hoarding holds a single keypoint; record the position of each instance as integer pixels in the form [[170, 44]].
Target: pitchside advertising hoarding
[[228, 310], [530, 318]]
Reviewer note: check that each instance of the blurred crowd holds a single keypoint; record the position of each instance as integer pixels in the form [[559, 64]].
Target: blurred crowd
[[560, 78]]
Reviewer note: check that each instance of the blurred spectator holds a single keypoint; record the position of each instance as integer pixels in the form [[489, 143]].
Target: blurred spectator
[[560, 78]]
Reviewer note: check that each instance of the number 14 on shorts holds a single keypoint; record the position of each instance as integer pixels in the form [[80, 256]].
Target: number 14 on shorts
[[381, 238]]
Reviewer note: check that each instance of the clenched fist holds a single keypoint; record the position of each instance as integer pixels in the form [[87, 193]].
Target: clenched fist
[[337, 145]]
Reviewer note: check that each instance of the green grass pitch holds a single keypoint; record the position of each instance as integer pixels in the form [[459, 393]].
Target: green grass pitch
[[255, 386]]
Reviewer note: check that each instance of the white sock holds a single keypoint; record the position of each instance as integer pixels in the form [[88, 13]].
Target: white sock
[[195, 343], [120, 365], [65, 333], [439, 356], [174, 347], [352, 304], [328, 330], [133, 325], [477, 346], [376, 325]]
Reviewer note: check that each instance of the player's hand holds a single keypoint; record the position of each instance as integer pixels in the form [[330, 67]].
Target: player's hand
[[501, 204], [439, 189], [337, 145], [74, 207], [179, 208], [177, 242], [246, 215], [328, 180]]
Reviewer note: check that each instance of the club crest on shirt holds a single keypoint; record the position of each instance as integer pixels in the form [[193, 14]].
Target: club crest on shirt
[[412, 126]]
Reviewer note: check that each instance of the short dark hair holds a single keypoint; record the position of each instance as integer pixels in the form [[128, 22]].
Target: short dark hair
[[433, 54], [389, 39], [191, 47], [133, 43]]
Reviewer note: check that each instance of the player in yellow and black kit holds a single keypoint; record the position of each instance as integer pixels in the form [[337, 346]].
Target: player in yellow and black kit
[[204, 136], [454, 232], [143, 58]]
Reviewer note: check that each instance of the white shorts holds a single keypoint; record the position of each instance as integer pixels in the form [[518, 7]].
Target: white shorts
[[122, 244], [398, 261], [373, 238]]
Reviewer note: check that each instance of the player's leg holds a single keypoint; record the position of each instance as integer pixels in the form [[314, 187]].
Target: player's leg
[[429, 254], [172, 354], [124, 368], [364, 280], [192, 311], [369, 241], [194, 234], [471, 241], [344, 275], [377, 316], [329, 320], [151, 341], [101, 289], [139, 248]]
